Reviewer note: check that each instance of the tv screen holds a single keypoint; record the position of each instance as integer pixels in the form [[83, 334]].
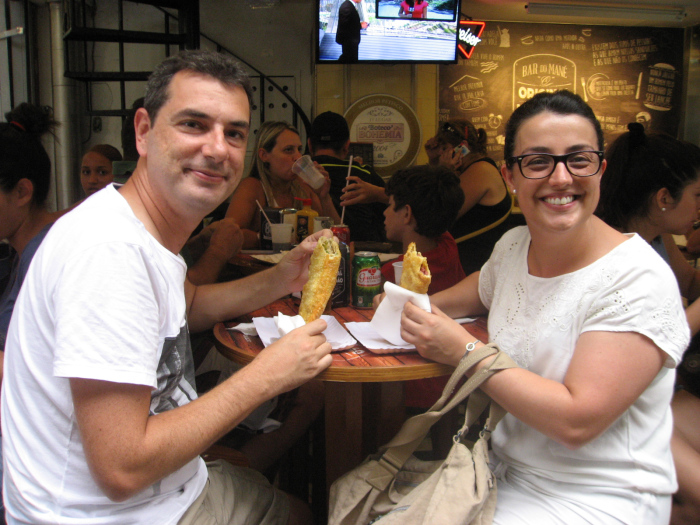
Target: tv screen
[[386, 38]]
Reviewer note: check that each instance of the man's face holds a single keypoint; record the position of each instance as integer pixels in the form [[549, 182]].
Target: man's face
[[195, 149]]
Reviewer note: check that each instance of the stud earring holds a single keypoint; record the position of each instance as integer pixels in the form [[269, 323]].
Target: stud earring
[[515, 191], [663, 209]]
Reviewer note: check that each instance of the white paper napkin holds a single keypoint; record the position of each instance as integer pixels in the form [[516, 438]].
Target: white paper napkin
[[371, 340], [387, 318], [286, 323], [244, 328], [269, 332]]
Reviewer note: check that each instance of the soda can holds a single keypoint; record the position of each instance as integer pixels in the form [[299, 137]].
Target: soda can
[[341, 292], [342, 232], [366, 279], [265, 231], [289, 216], [322, 223]]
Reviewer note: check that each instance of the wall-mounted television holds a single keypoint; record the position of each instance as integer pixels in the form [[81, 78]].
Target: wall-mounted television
[[388, 38]]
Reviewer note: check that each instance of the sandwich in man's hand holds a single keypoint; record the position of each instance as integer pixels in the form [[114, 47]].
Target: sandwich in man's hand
[[415, 275], [323, 272]]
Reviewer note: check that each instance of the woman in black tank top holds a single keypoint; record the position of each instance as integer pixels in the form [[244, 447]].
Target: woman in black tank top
[[487, 204]]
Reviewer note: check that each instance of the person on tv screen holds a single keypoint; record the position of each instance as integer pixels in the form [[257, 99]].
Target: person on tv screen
[[348, 35], [413, 9]]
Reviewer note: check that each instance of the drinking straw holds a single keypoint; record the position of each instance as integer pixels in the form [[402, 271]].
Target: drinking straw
[[263, 212], [342, 214]]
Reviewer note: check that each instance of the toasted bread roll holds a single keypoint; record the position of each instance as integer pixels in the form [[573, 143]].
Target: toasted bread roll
[[416, 274], [323, 272]]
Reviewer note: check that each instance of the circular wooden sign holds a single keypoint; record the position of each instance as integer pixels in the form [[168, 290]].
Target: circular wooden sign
[[391, 125]]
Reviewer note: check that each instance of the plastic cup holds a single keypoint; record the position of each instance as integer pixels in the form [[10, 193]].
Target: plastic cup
[[281, 237], [304, 167], [398, 269]]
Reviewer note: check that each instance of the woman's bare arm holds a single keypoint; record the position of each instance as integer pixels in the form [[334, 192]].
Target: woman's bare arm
[[244, 210], [608, 372]]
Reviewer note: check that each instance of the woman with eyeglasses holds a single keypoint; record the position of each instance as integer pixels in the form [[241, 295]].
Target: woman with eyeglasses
[[481, 220], [595, 321], [652, 187]]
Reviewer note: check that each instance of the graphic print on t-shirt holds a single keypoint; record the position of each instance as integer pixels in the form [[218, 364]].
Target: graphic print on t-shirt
[[175, 374]]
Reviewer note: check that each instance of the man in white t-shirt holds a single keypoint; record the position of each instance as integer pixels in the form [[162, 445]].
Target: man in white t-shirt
[[101, 422]]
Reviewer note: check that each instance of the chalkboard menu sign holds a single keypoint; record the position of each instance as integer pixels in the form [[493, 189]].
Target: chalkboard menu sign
[[625, 74]]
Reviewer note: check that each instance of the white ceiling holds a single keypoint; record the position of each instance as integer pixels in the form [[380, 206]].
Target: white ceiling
[[515, 11]]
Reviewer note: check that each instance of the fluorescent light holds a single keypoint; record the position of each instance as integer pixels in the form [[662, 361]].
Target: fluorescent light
[[674, 14]]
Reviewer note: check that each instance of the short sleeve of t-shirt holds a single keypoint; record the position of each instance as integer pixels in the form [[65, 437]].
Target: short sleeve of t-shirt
[[108, 315], [630, 289]]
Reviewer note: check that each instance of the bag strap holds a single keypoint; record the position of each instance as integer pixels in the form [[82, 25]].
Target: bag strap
[[414, 430], [478, 401]]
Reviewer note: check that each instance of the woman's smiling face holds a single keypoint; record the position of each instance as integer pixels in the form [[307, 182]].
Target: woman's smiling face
[[561, 201]]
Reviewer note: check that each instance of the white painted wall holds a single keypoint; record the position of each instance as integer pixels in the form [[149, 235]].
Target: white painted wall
[[277, 40]]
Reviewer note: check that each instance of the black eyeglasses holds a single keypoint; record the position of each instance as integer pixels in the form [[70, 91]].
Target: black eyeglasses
[[542, 165], [449, 128]]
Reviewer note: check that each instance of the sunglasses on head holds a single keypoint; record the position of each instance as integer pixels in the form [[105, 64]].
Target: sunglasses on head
[[449, 128]]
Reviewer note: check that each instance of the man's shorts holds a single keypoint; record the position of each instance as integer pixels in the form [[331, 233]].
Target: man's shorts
[[237, 495]]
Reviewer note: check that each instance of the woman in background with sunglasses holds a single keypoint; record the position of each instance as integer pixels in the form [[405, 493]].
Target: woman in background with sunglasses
[[487, 204], [594, 319]]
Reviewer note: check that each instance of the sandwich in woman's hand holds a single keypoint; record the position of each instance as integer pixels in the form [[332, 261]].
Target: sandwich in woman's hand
[[415, 275], [323, 272]]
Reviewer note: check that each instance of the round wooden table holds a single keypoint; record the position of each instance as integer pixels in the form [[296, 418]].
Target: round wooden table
[[356, 364], [364, 403]]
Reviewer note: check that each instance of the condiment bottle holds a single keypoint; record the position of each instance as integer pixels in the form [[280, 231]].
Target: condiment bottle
[[305, 219]]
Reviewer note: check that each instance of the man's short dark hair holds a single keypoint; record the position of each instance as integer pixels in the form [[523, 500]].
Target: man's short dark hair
[[432, 192], [329, 131], [216, 65]]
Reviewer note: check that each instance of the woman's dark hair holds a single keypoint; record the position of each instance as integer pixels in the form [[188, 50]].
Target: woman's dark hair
[[108, 151], [638, 166], [453, 132], [432, 192], [562, 102], [476, 138], [22, 155]]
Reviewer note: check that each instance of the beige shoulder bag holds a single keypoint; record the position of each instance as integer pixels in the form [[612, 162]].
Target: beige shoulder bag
[[395, 487]]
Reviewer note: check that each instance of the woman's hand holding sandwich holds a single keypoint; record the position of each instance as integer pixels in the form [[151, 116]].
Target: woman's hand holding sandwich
[[435, 335]]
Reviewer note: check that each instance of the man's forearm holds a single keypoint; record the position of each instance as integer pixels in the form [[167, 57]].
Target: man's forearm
[[114, 416], [223, 301]]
